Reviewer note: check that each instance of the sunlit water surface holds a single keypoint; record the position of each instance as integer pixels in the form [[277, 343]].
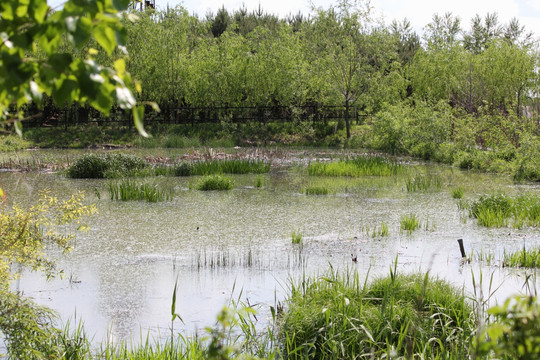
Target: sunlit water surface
[[237, 244]]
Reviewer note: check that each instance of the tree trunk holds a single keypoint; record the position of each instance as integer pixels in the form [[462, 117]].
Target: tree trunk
[[347, 122]]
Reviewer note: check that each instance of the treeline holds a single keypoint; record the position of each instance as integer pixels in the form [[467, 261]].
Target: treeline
[[475, 86]]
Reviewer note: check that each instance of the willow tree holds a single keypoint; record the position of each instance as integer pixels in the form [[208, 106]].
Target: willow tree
[[342, 48]]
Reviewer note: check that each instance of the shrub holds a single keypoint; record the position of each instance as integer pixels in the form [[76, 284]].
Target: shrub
[[98, 166], [215, 182]]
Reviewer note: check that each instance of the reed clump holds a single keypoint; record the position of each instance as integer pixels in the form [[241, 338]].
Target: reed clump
[[409, 223], [525, 258], [501, 210], [317, 190], [399, 316], [457, 193], [423, 183], [213, 167], [109, 165], [296, 237], [215, 182], [129, 189], [360, 166]]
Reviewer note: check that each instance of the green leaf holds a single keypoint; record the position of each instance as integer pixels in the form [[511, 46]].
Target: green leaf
[[121, 5], [18, 128], [39, 10], [60, 62], [106, 37], [63, 90], [138, 116]]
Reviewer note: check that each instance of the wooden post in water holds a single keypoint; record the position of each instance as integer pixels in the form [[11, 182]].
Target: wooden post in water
[[461, 248]]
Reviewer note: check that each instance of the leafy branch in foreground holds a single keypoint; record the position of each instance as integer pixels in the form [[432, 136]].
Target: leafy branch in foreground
[[27, 73]]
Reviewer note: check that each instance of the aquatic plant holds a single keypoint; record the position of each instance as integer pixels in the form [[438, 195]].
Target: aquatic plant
[[317, 190], [259, 182], [129, 189], [457, 193], [497, 210], [296, 237], [109, 165], [423, 183], [409, 223], [360, 166], [233, 166], [340, 316], [382, 231], [215, 182], [527, 258]]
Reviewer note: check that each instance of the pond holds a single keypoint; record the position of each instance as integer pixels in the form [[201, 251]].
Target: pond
[[237, 244]]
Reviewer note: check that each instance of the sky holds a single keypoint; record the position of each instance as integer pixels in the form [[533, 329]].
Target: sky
[[418, 12]]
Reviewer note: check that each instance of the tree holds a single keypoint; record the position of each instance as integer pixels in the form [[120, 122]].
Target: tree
[[24, 77]]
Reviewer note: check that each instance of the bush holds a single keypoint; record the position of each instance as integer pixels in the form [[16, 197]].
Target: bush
[[99, 166]]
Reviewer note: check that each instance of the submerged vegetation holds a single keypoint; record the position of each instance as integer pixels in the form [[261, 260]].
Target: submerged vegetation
[[423, 183], [317, 190]]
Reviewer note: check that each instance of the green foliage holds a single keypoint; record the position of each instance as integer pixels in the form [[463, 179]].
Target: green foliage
[[33, 62], [105, 165], [128, 189], [382, 231], [498, 209], [360, 166], [212, 167], [515, 330], [340, 317], [12, 143], [215, 182], [25, 234], [409, 223], [527, 258]]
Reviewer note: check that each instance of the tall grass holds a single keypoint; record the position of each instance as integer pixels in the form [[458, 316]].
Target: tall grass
[[129, 189], [423, 183], [527, 258], [340, 316], [409, 223], [215, 182], [360, 166], [457, 193], [501, 210]]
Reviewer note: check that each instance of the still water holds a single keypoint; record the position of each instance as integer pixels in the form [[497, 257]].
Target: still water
[[120, 276]]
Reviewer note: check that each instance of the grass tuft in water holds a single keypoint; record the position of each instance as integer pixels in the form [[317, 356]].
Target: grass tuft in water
[[526, 258], [259, 182], [409, 223], [382, 231], [457, 193], [215, 182], [317, 190], [341, 317], [360, 166], [423, 183], [109, 165], [501, 210], [296, 237], [128, 189]]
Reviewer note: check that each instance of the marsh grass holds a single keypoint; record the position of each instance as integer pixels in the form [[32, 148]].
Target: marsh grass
[[360, 166], [259, 182], [340, 316], [129, 189], [501, 210], [382, 231], [317, 190], [457, 193], [409, 223], [215, 182], [296, 237], [525, 258], [423, 183], [106, 165]]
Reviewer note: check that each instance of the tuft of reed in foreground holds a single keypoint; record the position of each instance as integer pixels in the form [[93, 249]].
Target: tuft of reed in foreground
[[215, 182], [129, 189], [360, 166], [525, 258], [409, 223], [457, 193], [296, 237], [400, 316]]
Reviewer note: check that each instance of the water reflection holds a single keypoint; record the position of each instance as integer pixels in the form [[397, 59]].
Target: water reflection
[[120, 276]]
